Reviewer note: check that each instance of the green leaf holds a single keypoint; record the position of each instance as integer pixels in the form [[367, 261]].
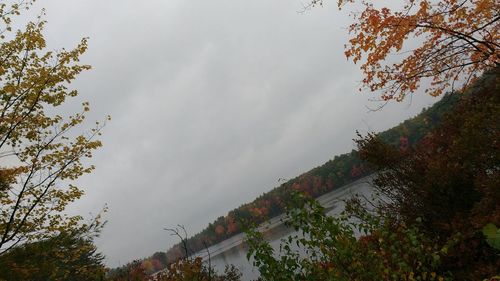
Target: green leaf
[[492, 234]]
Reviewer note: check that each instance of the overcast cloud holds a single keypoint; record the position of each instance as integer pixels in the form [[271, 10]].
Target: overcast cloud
[[212, 102]]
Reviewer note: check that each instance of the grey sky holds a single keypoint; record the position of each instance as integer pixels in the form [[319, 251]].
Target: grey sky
[[212, 101]]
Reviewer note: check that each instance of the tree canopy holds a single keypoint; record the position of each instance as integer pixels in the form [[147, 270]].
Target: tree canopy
[[41, 150], [442, 44], [67, 256]]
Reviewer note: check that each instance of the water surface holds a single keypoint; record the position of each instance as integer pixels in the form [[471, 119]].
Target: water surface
[[234, 250]]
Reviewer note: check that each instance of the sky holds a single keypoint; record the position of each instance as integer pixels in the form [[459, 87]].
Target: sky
[[212, 101]]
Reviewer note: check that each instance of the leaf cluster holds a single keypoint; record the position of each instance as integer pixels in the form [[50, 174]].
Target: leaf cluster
[[443, 45]]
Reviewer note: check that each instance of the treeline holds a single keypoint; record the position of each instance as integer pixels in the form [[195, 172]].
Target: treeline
[[341, 170]]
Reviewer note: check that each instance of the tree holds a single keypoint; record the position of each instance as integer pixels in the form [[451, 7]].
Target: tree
[[456, 40], [449, 180], [40, 151], [67, 256]]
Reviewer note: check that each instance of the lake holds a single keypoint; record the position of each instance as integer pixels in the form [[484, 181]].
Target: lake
[[234, 250]]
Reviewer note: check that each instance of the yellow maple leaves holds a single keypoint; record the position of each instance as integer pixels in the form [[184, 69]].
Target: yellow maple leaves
[[39, 151]]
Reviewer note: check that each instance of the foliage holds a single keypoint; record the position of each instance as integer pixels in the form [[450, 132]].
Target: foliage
[[196, 270], [455, 41], [67, 256], [492, 234], [133, 271], [185, 269], [40, 151], [332, 252], [449, 180]]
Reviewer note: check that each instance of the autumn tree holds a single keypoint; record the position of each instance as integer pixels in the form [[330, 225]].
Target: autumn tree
[[67, 256], [41, 152], [446, 44], [449, 180]]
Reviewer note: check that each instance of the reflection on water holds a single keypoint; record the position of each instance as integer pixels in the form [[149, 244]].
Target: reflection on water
[[234, 250]]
